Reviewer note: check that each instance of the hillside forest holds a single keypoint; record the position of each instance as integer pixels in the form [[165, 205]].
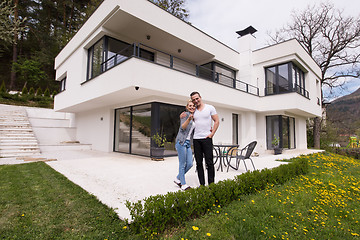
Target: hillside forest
[[44, 29], [343, 117]]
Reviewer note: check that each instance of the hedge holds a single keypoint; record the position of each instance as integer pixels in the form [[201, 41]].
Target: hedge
[[157, 213]]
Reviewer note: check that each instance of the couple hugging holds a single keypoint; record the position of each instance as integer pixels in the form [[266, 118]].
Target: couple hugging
[[196, 127]]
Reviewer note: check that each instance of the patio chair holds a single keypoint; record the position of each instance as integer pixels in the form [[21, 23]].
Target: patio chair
[[241, 155]]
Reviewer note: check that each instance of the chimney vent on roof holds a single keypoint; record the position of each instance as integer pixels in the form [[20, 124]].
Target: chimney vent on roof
[[246, 31]]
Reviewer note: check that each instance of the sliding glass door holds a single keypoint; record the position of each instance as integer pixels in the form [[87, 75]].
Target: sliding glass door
[[135, 125], [282, 127]]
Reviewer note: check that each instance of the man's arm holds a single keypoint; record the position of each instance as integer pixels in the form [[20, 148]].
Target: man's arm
[[215, 118]]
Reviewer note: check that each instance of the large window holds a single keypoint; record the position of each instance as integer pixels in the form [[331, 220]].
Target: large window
[[95, 59], [218, 73], [282, 127], [299, 80], [108, 52], [122, 130], [285, 78], [116, 52], [141, 129], [224, 75], [135, 125]]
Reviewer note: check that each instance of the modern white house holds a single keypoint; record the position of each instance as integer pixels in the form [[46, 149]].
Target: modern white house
[[128, 72]]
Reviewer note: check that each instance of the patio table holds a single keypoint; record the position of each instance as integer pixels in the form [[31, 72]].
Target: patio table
[[221, 153]]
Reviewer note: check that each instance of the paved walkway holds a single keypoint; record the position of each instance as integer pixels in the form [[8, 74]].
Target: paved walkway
[[114, 177]]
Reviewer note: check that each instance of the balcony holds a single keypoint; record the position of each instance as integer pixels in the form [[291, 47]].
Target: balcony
[[284, 89], [164, 59]]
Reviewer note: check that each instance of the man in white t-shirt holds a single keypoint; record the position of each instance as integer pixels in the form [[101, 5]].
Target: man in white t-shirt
[[204, 116]]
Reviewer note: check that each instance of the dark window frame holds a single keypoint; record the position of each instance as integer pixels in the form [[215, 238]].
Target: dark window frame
[[155, 126], [63, 84], [215, 75], [90, 74], [235, 128], [280, 119], [105, 56], [294, 84]]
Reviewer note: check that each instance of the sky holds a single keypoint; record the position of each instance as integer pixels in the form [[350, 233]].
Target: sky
[[221, 20]]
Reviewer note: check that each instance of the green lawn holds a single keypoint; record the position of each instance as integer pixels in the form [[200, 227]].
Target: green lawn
[[36, 202], [323, 204]]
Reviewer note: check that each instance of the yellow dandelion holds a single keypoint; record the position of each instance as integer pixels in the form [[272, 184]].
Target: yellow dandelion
[[208, 234], [195, 228]]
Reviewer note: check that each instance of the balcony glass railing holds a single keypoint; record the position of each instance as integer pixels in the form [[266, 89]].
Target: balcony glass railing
[[179, 64], [284, 89]]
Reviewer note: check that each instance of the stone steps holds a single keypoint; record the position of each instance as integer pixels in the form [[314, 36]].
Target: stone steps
[[137, 136], [16, 135], [18, 143], [17, 138]]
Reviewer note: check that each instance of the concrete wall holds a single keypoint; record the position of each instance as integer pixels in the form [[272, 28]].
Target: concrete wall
[[96, 127], [52, 127]]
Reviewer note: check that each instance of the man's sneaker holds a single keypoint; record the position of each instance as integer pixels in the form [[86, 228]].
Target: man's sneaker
[[177, 182], [185, 187]]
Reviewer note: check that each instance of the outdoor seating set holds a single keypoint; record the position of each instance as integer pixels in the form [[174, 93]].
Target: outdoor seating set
[[230, 155]]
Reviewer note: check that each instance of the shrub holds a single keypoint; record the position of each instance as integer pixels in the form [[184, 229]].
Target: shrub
[[32, 91], [3, 88], [47, 92], [156, 213], [54, 93], [24, 91], [39, 92]]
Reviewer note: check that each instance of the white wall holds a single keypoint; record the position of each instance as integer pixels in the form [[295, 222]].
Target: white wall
[[96, 127], [300, 133], [224, 133], [261, 133], [251, 128], [100, 133], [52, 127]]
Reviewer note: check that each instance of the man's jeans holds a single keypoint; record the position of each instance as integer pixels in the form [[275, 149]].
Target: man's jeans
[[204, 147], [185, 159]]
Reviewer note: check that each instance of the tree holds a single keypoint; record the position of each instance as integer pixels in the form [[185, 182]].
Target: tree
[[29, 72], [332, 40], [10, 26], [175, 7], [50, 24]]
